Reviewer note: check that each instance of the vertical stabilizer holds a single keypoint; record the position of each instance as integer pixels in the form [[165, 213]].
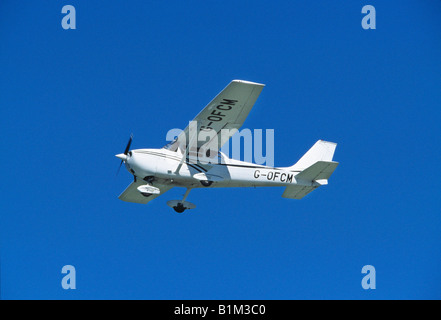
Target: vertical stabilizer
[[320, 151]]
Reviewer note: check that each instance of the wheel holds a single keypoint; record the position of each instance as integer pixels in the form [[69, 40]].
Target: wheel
[[149, 179], [146, 194], [179, 208], [206, 183]]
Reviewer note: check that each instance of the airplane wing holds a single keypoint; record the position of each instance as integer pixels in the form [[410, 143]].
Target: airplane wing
[[228, 110], [131, 194]]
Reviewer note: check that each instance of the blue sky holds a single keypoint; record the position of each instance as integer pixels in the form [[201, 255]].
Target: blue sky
[[70, 99]]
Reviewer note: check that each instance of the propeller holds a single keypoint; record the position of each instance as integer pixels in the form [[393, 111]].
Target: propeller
[[123, 156]]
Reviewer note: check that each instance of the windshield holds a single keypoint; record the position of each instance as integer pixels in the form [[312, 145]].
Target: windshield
[[172, 146]]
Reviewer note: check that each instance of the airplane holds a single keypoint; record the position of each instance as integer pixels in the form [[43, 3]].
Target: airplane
[[181, 163]]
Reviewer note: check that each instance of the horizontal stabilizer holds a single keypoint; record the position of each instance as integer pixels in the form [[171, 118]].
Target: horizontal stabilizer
[[321, 170], [317, 174], [297, 192]]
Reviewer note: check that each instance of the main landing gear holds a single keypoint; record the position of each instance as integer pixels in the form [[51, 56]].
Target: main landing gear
[[206, 183], [181, 205], [148, 189], [179, 208]]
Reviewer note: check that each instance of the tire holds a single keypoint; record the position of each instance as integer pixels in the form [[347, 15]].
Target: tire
[[206, 183], [179, 208]]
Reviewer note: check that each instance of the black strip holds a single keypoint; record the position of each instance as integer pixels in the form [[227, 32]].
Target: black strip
[[222, 164]]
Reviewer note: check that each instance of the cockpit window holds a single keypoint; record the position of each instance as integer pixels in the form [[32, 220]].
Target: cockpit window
[[173, 146]]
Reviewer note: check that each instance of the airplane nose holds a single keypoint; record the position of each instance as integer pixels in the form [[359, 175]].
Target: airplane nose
[[121, 156]]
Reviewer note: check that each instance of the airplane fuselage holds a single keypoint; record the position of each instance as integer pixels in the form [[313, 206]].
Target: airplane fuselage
[[161, 165]]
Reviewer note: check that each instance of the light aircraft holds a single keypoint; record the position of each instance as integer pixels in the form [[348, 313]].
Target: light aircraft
[[179, 163]]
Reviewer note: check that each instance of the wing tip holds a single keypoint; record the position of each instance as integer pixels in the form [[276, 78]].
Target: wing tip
[[249, 82]]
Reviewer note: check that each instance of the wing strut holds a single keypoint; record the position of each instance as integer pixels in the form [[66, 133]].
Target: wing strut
[[187, 149]]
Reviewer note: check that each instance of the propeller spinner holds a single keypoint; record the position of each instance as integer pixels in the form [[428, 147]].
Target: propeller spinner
[[123, 156]]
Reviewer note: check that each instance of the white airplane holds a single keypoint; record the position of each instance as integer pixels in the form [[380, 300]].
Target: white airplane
[[179, 163]]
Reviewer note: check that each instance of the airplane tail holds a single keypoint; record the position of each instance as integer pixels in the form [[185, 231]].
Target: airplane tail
[[314, 169], [320, 151]]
